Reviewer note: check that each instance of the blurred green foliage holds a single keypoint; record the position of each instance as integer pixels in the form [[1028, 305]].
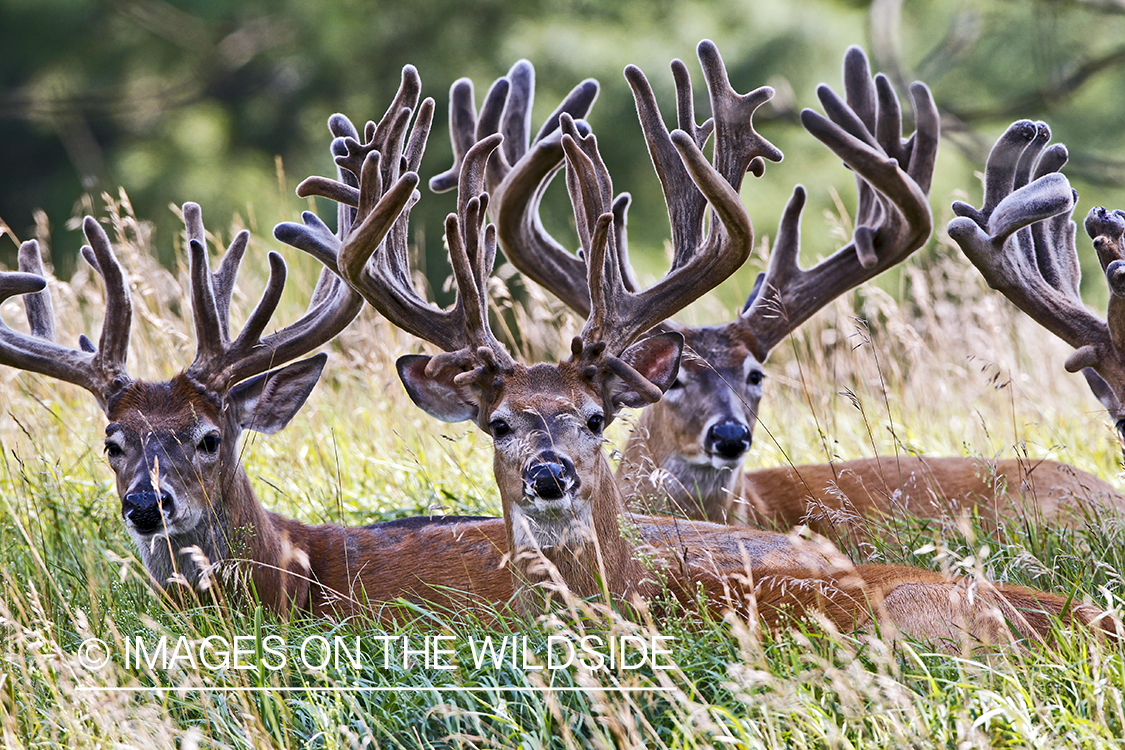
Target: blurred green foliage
[[226, 103]]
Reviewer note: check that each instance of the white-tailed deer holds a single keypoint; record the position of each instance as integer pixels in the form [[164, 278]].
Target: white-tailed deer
[[564, 514], [1022, 242], [185, 498], [687, 452]]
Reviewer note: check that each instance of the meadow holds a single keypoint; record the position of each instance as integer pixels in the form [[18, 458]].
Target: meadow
[[927, 362]]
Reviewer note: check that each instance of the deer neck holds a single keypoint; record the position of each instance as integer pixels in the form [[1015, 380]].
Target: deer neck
[[590, 550], [239, 545]]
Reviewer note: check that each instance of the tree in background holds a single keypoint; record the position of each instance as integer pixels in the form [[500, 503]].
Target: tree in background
[[226, 103]]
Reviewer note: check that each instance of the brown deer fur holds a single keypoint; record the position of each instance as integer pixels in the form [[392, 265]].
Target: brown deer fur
[[589, 544], [667, 468], [324, 569]]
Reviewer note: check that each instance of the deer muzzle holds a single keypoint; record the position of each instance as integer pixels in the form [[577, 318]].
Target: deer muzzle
[[147, 511], [550, 477], [727, 440]]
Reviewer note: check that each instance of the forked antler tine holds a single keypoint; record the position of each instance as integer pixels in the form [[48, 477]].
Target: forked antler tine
[[313, 237], [893, 217], [618, 315], [398, 152], [101, 371], [462, 132], [468, 128], [388, 136], [738, 147], [1031, 155]]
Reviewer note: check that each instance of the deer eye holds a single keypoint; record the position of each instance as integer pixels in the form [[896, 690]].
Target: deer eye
[[755, 377], [113, 450], [499, 428], [210, 443], [595, 423]]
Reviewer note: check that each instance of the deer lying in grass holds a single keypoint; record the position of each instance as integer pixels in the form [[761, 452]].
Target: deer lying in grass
[[185, 498], [565, 519], [1022, 242], [687, 452]]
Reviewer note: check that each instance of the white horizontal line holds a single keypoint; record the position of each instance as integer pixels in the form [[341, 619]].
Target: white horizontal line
[[404, 689]]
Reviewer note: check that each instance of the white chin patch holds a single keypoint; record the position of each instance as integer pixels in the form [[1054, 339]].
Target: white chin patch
[[719, 462], [539, 523], [548, 510]]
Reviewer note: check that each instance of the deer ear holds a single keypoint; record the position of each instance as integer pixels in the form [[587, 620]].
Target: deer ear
[[267, 402], [657, 359], [1102, 391], [436, 394]]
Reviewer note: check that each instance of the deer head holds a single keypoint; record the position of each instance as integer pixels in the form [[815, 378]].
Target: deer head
[[700, 432], [560, 500], [1022, 241]]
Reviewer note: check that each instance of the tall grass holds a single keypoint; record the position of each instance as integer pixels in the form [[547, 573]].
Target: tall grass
[[941, 367]]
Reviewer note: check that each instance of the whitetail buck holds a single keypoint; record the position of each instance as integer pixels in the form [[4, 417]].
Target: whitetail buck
[[1022, 242], [687, 452], [185, 498], [564, 514]]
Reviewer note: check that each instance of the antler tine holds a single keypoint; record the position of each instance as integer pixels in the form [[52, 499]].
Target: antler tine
[[1106, 228], [1035, 268], [101, 371], [211, 292], [518, 174], [893, 217], [36, 303]]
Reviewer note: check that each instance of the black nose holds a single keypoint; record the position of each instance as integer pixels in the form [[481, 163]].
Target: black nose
[[143, 509], [728, 439], [550, 476]]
